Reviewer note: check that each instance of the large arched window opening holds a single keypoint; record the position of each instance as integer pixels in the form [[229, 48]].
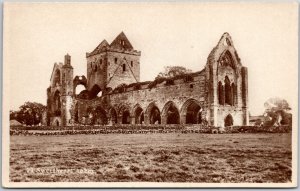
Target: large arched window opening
[[56, 80], [57, 103], [221, 93], [227, 60], [228, 91]]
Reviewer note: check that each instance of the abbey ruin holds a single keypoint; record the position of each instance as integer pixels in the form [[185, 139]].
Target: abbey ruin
[[216, 95]]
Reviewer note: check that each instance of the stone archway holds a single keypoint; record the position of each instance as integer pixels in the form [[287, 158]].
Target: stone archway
[[153, 114], [191, 112], [228, 121], [170, 114], [138, 115]]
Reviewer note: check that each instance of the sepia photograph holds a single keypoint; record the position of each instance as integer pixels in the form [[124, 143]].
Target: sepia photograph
[[160, 94]]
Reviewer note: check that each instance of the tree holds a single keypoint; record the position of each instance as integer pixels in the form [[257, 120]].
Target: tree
[[171, 71], [30, 113], [276, 104], [277, 112]]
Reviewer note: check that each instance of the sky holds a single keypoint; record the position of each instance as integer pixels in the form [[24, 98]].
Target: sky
[[39, 34]]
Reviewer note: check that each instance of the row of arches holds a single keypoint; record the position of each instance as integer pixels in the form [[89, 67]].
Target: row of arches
[[227, 93], [190, 113]]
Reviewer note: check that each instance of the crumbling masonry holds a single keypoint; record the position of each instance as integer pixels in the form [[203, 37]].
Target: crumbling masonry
[[216, 95]]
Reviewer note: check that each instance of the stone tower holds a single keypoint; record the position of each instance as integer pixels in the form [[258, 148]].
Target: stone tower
[[60, 94], [227, 85], [67, 91], [110, 65]]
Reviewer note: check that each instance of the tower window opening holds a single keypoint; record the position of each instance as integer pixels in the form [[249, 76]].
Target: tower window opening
[[124, 67], [116, 60], [131, 63], [100, 61]]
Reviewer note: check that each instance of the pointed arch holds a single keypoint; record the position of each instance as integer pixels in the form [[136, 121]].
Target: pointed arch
[[124, 114], [57, 77], [191, 112], [138, 114], [170, 113], [227, 60], [153, 114]]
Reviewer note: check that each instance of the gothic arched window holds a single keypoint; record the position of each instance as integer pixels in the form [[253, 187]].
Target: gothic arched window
[[220, 93], [228, 92], [227, 60], [234, 93]]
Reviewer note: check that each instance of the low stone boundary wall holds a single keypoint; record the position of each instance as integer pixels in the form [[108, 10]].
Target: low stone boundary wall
[[258, 129], [141, 129], [122, 129]]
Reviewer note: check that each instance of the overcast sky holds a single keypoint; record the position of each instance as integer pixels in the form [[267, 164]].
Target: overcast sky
[[265, 36]]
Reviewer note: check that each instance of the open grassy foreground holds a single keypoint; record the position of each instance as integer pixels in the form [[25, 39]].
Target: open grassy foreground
[[152, 157]]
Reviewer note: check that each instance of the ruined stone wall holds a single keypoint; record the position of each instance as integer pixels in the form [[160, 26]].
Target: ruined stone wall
[[181, 94], [223, 62], [170, 101]]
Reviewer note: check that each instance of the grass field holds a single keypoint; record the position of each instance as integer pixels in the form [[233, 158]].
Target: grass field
[[152, 157]]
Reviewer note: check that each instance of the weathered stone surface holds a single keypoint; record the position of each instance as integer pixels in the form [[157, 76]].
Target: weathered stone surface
[[217, 95]]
